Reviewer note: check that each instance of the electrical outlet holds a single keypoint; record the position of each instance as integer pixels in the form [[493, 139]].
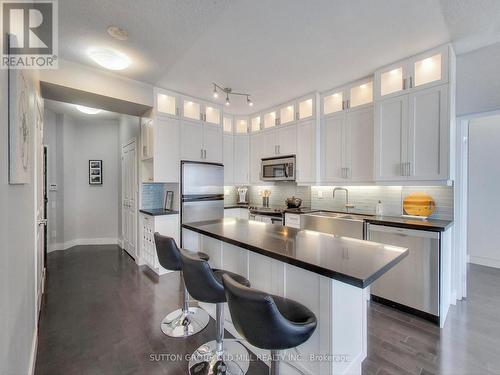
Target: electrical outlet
[[320, 194]]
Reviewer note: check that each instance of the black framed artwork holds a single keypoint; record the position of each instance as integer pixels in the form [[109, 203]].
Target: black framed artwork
[[169, 200], [95, 172]]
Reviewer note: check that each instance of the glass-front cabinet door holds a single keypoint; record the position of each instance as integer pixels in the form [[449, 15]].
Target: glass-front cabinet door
[[305, 109], [333, 102], [287, 114], [212, 114], [166, 104], [269, 119], [360, 94], [391, 81], [241, 126], [191, 109], [255, 124], [429, 68]]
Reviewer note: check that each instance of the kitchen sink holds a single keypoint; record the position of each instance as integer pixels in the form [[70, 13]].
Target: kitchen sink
[[342, 224]]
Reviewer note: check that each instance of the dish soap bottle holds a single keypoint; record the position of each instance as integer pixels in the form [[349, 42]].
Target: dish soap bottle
[[379, 208]]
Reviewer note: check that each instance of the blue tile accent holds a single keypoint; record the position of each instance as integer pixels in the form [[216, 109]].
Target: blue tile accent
[[153, 195]]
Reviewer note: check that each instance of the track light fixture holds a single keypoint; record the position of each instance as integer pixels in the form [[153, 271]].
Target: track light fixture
[[228, 91]]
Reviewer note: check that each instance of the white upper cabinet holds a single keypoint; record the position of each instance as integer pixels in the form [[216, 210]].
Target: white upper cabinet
[[228, 159], [212, 143], [192, 141], [306, 152], [356, 95], [287, 114], [241, 159], [333, 148], [359, 145], [286, 140], [227, 124], [424, 70]]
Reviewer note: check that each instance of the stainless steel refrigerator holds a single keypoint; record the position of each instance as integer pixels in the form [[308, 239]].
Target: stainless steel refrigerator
[[202, 196]]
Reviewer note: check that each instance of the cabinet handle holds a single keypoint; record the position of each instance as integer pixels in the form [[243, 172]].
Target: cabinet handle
[[409, 169], [204, 154], [348, 104], [401, 169], [343, 104], [201, 153], [411, 82], [177, 111], [297, 115], [279, 149], [404, 83]]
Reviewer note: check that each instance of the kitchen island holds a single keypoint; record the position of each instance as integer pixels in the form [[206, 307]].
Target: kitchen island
[[327, 273]]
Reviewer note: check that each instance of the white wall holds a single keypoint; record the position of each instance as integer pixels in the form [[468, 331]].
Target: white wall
[[484, 180], [78, 212], [478, 81], [18, 318]]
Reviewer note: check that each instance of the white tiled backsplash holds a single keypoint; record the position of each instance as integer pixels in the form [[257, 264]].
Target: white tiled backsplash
[[364, 198]]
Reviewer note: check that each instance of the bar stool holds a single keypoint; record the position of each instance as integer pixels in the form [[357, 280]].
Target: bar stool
[[186, 321], [205, 285], [267, 321]]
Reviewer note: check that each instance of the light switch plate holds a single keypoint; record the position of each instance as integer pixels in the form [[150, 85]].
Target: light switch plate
[[320, 194], [53, 187]]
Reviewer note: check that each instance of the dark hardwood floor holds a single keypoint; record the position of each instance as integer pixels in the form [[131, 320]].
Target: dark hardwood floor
[[101, 315]]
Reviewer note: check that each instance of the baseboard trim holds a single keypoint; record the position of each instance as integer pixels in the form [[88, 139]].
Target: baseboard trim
[[85, 241], [34, 347], [484, 261]]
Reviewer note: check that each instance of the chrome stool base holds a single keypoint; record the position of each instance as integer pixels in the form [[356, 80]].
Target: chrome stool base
[[208, 359], [181, 324]]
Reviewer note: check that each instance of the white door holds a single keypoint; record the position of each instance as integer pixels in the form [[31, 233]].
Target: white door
[[306, 151], [191, 140], [241, 159], [333, 147], [129, 198], [428, 134], [212, 143], [40, 207], [391, 119], [228, 160], [287, 140], [359, 140]]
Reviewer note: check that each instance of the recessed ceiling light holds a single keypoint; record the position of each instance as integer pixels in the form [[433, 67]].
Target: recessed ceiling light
[[88, 110], [117, 32], [109, 58]]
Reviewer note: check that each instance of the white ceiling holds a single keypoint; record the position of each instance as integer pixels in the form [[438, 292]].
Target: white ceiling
[[70, 110], [273, 49]]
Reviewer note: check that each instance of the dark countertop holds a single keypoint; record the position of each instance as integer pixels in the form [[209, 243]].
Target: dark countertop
[[158, 212], [352, 261], [236, 205]]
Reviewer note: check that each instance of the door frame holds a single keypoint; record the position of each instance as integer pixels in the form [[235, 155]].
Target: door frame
[[136, 193]]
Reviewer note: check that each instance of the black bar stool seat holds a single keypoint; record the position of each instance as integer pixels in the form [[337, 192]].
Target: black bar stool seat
[[268, 321], [206, 285], [186, 321]]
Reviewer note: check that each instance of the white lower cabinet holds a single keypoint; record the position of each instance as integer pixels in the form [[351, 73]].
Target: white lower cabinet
[[347, 146], [412, 135], [239, 213], [167, 225]]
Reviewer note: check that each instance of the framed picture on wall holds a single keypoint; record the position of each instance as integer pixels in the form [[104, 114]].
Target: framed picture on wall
[[169, 200], [95, 172]]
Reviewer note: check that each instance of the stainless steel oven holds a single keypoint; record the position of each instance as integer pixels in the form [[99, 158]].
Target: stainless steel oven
[[280, 168]]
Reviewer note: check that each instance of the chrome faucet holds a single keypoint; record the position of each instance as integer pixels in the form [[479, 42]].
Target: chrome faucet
[[347, 205]]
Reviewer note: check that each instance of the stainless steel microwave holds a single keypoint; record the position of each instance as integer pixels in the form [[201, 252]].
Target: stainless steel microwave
[[279, 168]]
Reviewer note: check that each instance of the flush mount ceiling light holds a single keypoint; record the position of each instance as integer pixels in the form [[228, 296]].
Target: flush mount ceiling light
[[88, 110], [117, 32], [229, 91], [109, 58]]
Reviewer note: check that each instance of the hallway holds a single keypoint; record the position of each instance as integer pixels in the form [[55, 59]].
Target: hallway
[[101, 315]]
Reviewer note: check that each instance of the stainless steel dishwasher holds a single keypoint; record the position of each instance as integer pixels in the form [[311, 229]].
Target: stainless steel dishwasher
[[412, 285]]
